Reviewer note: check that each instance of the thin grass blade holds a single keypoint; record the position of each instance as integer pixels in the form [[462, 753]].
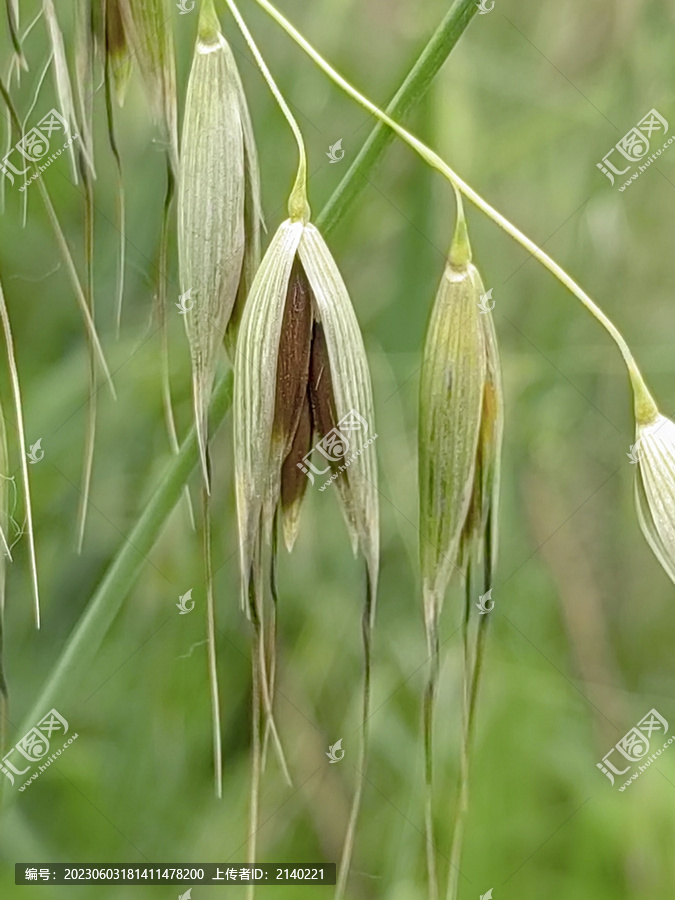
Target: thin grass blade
[[18, 409]]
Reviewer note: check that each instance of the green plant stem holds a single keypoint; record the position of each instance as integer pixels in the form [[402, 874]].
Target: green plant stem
[[411, 91], [83, 644], [644, 403], [18, 408]]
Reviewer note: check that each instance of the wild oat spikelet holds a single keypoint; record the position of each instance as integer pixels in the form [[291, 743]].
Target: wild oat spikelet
[[218, 175], [655, 486], [300, 368], [460, 434], [460, 429]]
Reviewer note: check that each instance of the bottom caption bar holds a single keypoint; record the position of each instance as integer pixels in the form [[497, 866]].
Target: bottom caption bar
[[170, 873]]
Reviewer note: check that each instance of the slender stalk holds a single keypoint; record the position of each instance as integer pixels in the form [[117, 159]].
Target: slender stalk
[[211, 643], [18, 407], [411, 91], [259, 625], [256, 768], [92, 401], [272, 631], [462, 804], [119, 180], [348, 847], [257, 685], [84, 113], [645, 405], [5, 557], [298, 206], [472, 684], [474, 654], [13, 26], [29, 113], [428, 716]]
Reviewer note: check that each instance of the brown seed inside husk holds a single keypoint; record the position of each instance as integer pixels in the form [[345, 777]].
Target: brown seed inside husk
[[320, 384], [293, 479], [294, 357], [321, 387]]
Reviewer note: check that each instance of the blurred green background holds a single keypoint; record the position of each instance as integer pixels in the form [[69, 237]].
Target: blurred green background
[[580, 649]]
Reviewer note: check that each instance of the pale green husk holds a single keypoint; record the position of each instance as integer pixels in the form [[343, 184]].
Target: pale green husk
[[655, 489], [352, 389], [480, 535], [211, 199], [451, 399]]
